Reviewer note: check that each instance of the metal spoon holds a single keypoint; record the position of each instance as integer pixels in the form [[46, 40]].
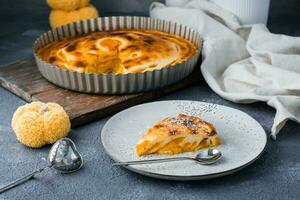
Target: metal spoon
[[213, 155], [63, 156]]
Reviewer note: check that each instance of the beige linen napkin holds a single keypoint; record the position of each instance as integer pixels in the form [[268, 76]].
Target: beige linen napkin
[[243, 64]]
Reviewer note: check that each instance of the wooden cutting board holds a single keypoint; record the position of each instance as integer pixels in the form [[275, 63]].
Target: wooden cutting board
[[23, 79]]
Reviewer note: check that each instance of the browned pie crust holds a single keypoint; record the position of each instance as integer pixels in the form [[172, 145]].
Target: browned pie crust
[[118, 51]]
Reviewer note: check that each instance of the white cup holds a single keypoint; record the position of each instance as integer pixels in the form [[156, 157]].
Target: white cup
[[247, 11]]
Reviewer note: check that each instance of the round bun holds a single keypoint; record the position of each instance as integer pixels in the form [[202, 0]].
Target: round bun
[[61, 17], [66, 5], [38, 124]]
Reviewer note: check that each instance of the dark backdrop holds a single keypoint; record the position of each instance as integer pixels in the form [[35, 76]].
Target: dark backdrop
[[21, 21], [283, 12]]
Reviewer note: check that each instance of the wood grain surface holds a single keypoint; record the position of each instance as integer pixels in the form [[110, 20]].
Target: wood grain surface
[[23, 79]]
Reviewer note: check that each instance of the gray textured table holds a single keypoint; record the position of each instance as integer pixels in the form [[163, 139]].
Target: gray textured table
[[276, 175]]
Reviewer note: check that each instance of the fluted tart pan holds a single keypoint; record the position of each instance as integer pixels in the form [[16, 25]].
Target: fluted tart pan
[[116, 83]]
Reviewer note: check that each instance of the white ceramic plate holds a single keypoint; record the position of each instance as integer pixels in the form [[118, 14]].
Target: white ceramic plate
[[243, 139]]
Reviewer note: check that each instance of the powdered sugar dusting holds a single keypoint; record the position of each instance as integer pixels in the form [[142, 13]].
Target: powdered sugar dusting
[[192, 108]]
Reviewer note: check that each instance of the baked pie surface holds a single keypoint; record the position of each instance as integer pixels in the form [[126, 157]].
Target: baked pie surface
[[174, 135], [118, 51]]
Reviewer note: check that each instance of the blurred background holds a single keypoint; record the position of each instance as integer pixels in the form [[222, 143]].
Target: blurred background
[[21, 21]]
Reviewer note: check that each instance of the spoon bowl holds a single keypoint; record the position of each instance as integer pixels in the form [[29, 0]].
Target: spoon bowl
[[213, 155]]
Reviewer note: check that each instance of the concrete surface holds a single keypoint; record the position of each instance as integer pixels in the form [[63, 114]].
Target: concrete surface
[[276, 175]]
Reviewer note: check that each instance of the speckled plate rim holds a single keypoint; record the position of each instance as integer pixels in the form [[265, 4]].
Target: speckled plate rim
[[183, 178]]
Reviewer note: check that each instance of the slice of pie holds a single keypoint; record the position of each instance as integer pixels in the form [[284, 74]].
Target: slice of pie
[[174, 135]]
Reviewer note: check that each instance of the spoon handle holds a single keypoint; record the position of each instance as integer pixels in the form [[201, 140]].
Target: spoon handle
[[139, 162], [21, 180]]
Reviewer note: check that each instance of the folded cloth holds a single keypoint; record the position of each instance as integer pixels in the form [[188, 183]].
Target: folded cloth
[[243, 64]]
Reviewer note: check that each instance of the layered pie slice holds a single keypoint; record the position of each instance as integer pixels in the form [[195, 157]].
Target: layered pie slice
[[174, 135]]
